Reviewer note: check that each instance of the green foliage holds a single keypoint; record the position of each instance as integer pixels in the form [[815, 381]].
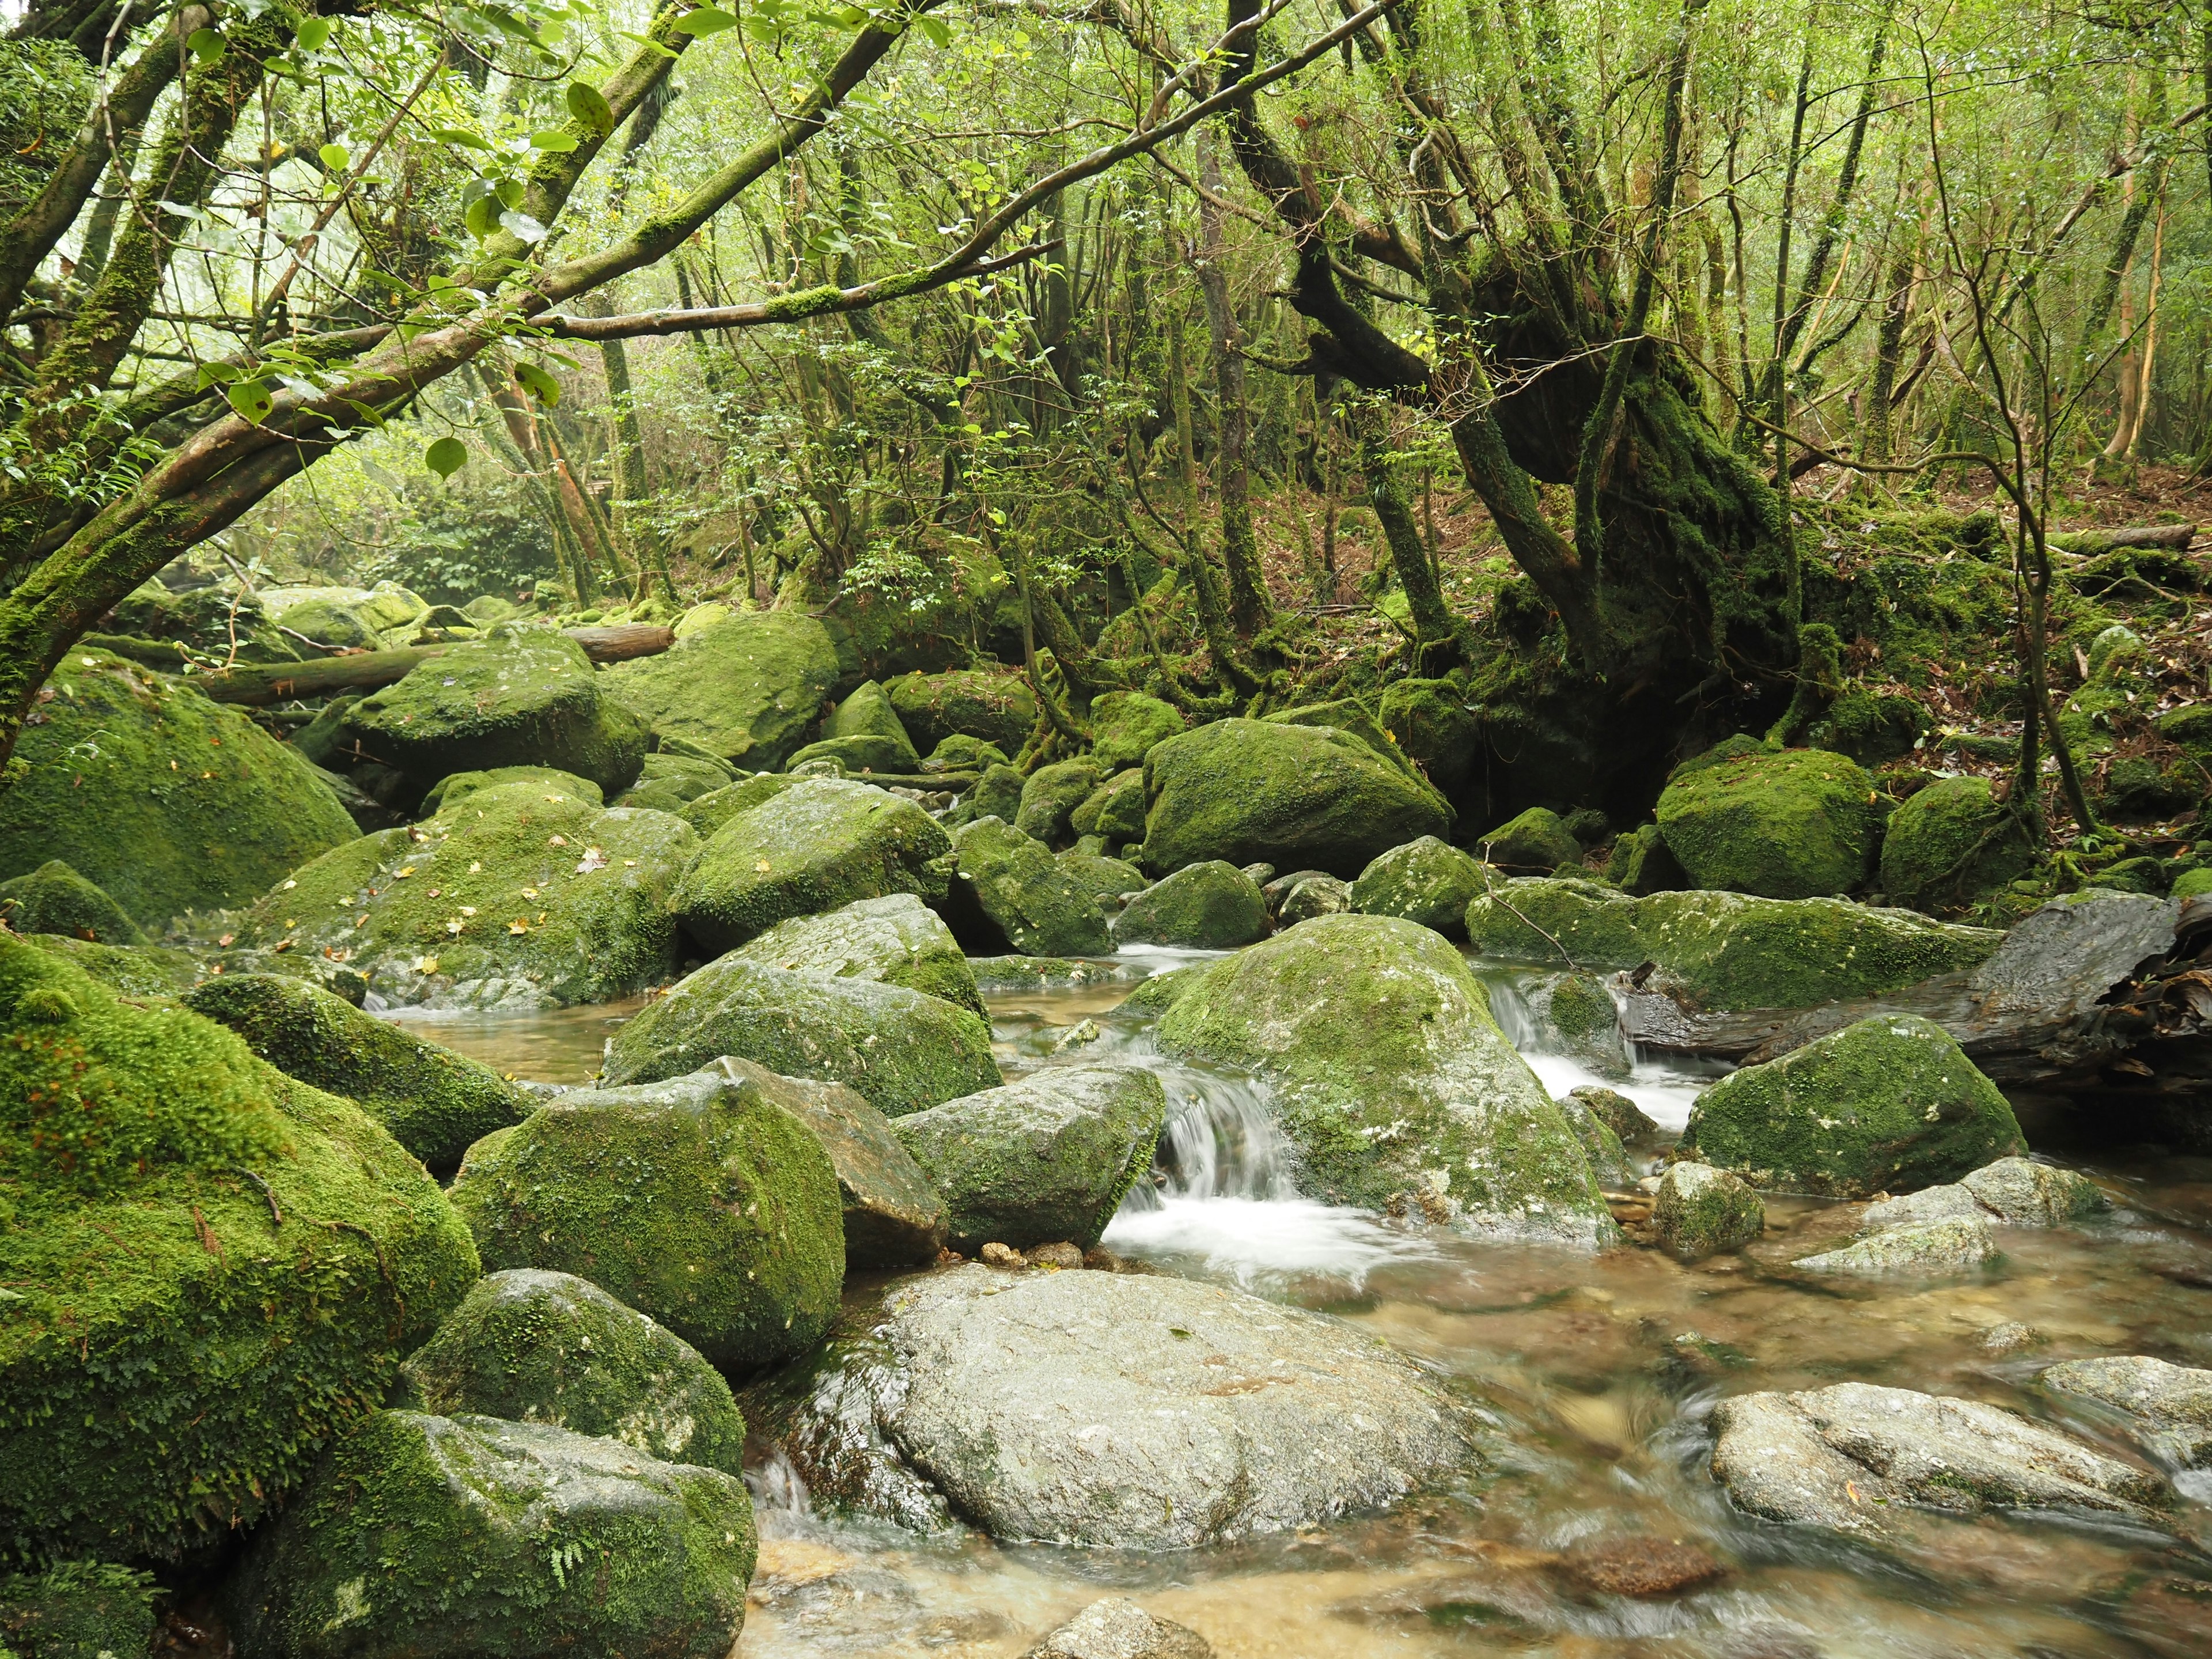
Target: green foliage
[[78, 1610], [487, 541], [46, 88]]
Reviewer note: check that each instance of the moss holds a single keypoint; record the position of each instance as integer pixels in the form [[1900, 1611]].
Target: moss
[[1535, 843], [534, 1346], [1609, 1158], [958, 753], [901, 1050], [671, 782], [997, 707], [695, 1200], [1009, 894], [1114, 809], [1051, 795], [1163, 991], [711, 811], [173, 1354], [1391, 1079], [2192, 884], [449, 791], [515, 896], [1581, 923], [1889, 1104], [502, 1541], [1124, 725], [1202, 907], [747, 690], [1949, 844], [856, 757], [1700, 1212], [78, 1610], [895, 938], [867, 713], [1432, 724], [1247, 791], [133, 970], [167, 801], [334, 622], [1426, 881], [997, 794], [1870, 729], [1107, 880], [54, 899], [1640, 863], [433, 1102], [1793, 825], [821, 843]]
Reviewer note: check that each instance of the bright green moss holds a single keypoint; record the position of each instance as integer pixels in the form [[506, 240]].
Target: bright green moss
[[895, 938], [54, 899], [1202, 907], [1425, 881], [867, 713], [449, 790], [1115, 808], [1797, 824], [747, 690], [1582, 923], [709, 812], [1009, 894], [999, 708], [1951, 842], [78, 1610], [211, 1268], [1126, 724], [856, 757], [1107, 880], [135, 970], [1536, 842], [1051, 794]]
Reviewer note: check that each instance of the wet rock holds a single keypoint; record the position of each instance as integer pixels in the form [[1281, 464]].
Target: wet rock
[[1051, 795], [1389, 1076], [1208, 906], [77, 1610], [1426, 880], [1640, 865], [1009, 894], [2011, 1337], [819, 845], [896, 939], [1609, 1159], [1114, 809], [166, 801], [1948, 1202], [747, 690], [1125, 724], [532, 1346], [1950, 843], [1576, 1014], [997, 708], [506, 899], [435, 1103], [1109, 881], [1032, 973], [893, 1216], [2024, 1193], [54, 899], [1316, 896], [452, 788], [1933, 1249], [669, 782], [210, 1268], [1049, 1157], [697, 1201], [1063, 1255], [1846, 1457], [1641, 1565], [1535, 843], [435, 1538], [902, 1050], [1700, 1210], [1796, 825], [1117, 1628], [1616, 1112], [1888, 1105], [2169, 1405], [710, 811], [1252, 790]]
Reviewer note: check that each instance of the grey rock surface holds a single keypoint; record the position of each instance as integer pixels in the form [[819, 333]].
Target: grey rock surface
[[2013, 1191], [1934, 1249], [2171, 1405], [1117, 1628], [897, 938]]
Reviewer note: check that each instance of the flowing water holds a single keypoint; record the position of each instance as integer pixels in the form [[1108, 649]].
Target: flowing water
[[1595, 1377]]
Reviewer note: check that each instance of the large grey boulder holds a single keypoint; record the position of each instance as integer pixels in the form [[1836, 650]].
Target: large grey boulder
[[2169, 1406], [1208, 907], [1045, 1159], [897, 938], [425, 1537], [2014, 1192], [1849, 1456], [1009, 894]]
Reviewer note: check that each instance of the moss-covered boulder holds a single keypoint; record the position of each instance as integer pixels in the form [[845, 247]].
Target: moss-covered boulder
[[1558, 920], [1251, 791], [1950, 843], [1797, 824], [696, 1200], [54, 899], [856, 757], [1010, 895], [747, 690], [997, 794], [1050, 797], [1391, 1078], [1311, 894], [1108, 880], [430, 1537], [1352, 716], [996, 705], [435, 1103], [451, 789], [515, 896], [709, 812], [868, 714], [210, 1268], [958, 753], [1115, 808], [521, 696], [1536, 842], [1616, 1112], [1640, 864], [1433, 723], [1699, 1211], [163, 799], [1428, 881], [1201, 907], [1124, 725], [897, 938], [893, 1217], [669, 782], [77, 1610], [135, 970], [901, 1049], [534, 1346], [1609, 1158], [820, 844], [1575, 1016], [1889, 1104], [1046, 1159]]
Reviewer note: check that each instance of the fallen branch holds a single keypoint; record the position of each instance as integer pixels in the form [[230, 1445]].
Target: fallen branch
[[367, 670], [2177, 536]]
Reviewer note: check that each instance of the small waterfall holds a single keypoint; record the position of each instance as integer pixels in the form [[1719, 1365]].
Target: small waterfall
[[1220, 1140]]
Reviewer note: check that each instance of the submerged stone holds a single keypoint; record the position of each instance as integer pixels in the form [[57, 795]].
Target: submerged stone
[[1930, 1250], [2169, 1405], [1009, 894], [1427, 881], [1205, 907], [895, 938], [1117, 1628], [747, 690], [1797, 824]]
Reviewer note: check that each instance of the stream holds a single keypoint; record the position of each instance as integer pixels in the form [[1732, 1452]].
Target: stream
[[1597, 1376]]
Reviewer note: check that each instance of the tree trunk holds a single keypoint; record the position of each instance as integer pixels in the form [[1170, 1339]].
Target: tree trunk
[[1240, 547]]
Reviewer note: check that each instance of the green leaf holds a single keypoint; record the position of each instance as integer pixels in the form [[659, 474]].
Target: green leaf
[[933, 30], [538, 384], [314, 34], [335, 158], [206, 46], [509, 192], [445, 457], [457, 135], [646, 41], [251, 399], [589, 105], [707, 20], [552, 138], [481, 217], [522, 228], [216, 373]]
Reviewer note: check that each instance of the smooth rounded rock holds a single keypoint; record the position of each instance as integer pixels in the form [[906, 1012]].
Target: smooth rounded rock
[[1426, 880], [1009, 894], [895, 938], [1701, 1211], [1796, 825], [1207, 907]]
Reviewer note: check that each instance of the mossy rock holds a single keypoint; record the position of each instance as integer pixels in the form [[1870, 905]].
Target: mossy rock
[[1609, 1159], [1616, 1112], [709, 812], [1253, 792], [451, 790], [1009, 896], [1577, 1016], [336, 624], [1872, 730], [2137, 790], [2144, 873], [867, 713], [435, 1103], [2189, 725], [1046, 1159], [1202, 907], [1390, 1077], [534, 1346], [1427, 881], [958, 753], [78, 1610], [1114, 809], [820, 844], [521, 696], [747, 690], [131, 970], [1701, 1211], [1313, 895], [895, 938], [165, 800], [1889, 1104], [696, 1200], [1352, 717], [1051, 795], [1107, 880], [997, 794], [1432, 724], [173, 1353], [857, 757], [1566, 920], [1798, 824], [2192, 884], [218, 621], [999, 708], [434, 1538], [505, 899], [669, 782], [54, 899], [1126, 724], [1642, 865], [1951, 843], [900, 1049], [1536, 842]]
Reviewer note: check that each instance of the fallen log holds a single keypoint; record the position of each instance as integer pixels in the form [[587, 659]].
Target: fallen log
[[365, 671], [2084, 541]]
